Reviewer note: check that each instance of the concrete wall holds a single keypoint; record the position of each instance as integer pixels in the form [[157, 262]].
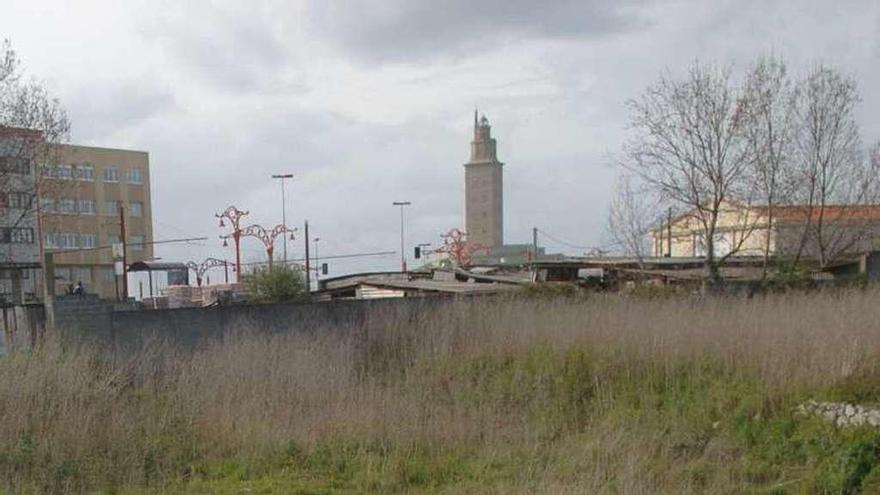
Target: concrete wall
[[82, 321], [839, 238], [22, 326]]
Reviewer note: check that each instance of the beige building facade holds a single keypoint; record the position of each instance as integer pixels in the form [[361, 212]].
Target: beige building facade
[[484, 195], [80, 212], [746, 230], [742, 230]]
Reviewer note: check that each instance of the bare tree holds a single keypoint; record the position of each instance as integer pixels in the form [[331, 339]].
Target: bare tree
[[689, 144], [631, 216], [835, 178], [875, 155], [769, 98], [39, 125]]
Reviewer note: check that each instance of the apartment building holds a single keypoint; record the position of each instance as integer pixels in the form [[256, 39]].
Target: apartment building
[[19, 248], [80, 207]]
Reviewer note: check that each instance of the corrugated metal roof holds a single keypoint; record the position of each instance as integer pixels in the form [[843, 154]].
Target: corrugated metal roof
[[633, 262], [356, 278], [727, 272], [402, 281], [156, 266], [437, 286]]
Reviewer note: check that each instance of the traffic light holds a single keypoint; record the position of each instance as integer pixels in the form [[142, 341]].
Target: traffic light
[[418, 252], [324, 269]]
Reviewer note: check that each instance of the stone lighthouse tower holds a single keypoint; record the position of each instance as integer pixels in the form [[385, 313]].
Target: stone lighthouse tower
[[484, 197]]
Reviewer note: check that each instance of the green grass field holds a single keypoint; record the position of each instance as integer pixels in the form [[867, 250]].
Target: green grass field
[[607, 394]]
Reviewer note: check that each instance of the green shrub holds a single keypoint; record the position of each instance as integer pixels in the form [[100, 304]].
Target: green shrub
[[551, 290], [276, 284]]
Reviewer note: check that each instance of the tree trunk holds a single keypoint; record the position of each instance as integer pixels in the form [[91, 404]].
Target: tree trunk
[[767, 235]]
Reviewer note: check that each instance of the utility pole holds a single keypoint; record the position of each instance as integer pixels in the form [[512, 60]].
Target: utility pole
[[535, 243], [308, 265], [669, 232], [317, 264], [124, 246], [283, 207], [402, 204]]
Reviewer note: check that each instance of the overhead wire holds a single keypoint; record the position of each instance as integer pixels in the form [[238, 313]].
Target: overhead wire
[[564, 242]]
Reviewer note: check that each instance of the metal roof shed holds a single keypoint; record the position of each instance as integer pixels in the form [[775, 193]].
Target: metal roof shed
[[179, 271]]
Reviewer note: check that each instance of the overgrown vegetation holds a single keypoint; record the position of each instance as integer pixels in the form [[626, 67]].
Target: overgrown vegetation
[[608, 394], [276, 284]]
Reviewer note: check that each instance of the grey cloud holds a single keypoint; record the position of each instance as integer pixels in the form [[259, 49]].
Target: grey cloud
[[228, 128], [406, 30], [226, 48], [119, 105], [342, 190]]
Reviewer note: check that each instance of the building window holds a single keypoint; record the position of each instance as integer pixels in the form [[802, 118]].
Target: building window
[[82, 274], [111, 207], [14, 165], [137, 209], [66, 205], [85, 172], [136, 243], [7, 274], [22, 236], [107, 274], [16, 235], [112, 239], [87, 241], [17, 200], [111, 174], [20, 200], [68, 240], [86, 206], [64, 172], [135, 176], [62, 240], [47, 205]]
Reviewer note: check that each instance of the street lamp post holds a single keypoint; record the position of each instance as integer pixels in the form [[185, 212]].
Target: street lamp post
[[283, 207], [202, 268], [234, 215], [267, 237], [401, 204]]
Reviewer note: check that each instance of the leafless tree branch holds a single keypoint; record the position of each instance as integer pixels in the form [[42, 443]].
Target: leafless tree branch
[[689, 144]]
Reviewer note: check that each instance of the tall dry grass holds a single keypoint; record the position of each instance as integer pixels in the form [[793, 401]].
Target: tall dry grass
[[556, 388]]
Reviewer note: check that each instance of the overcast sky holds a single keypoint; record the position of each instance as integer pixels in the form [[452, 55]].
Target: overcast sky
[[370, 102]]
